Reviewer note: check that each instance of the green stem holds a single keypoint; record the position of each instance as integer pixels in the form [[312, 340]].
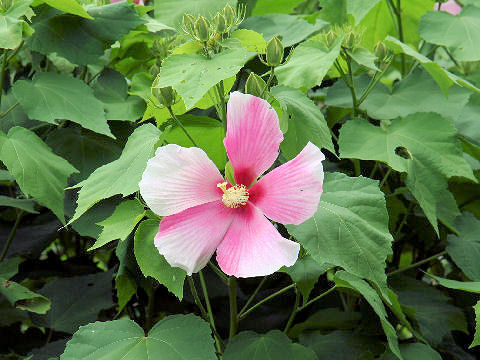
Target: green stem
[[352, 84], [193, 289], [174, 117], [11, 235], [150, 311], [357, 168], [376, 78], [3, 66], [294, 312], [397, 12], [252, 297], [268, 298], [417, 264], [453, 59], [374, 170], [9, 109], [316, 298], [219, 272], [269, 81], [223, 105], [385, 178], [232, 295], [403, 222], [209, 311], [15, 52]]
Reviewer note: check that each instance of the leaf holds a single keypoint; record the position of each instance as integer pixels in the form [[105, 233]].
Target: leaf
[[174, 337], [22, 298], [464, 248], [112, 89], [23, 204], [263, 7], [122, 175], [152, 263], [9, 267], [15, 117], [50, 97], [125, 280], [11, 27], [350, 228], [192, 75], [37, 170], [170, 12], [308, 64], [466, 120], [443, 78], [468, 286], [460, 32], [75, 301], [344, 279], [305, 273], [86, 225], [121, 223], [414, 351], [79, 40], [301, 352], [291, 29], [476, 338], [306, 124], [337, 11], [252, 346], [52, 350], [250, 39], [69, 6], [364, 57]]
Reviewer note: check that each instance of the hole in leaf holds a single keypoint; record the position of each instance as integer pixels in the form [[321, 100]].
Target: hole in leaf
[[403, 152]]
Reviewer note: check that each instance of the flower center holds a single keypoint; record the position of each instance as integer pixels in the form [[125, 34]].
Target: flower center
[[234, 196]]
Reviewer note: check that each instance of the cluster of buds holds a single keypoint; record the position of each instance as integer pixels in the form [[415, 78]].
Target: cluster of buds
[[273, 53], [161, 48], [5, 5], [383, 54], [204, 30], [166, 96], [351, 38]]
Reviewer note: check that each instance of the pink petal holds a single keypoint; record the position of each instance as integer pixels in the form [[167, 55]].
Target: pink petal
[[178, 178], [253, 136], [290, 193], [253, 247], [450, 7], [188, 240]]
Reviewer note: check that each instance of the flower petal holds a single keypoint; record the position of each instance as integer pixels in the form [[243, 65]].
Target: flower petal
[[290, 193], [253, 247], [253, 136], [188, 240], [178, 178]]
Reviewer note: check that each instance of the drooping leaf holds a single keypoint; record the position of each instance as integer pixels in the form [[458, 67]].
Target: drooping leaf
[[464, 248], [122, 175], [414, 351], [306, 124], [50, 97], [249, 345], [174, 337], [468, 286], [23, 204], [9, 267], [75, 301], [350, 228], [38, 171], [152, 263], [351, 281], [459, 32], [121, 223], [68, 6], [192, 75], [476, 339], [23, 298]]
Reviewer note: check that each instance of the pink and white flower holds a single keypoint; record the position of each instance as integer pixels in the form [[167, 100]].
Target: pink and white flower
[[138, 2], [203, 213], [450, 7]]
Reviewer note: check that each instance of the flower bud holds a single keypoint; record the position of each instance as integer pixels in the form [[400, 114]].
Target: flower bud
[[330, 38], [274, 52], [229, 13], [202, 29], [255, 85], [349, 40], [381, 51], [188, 22], [220, 23], [166, 96]]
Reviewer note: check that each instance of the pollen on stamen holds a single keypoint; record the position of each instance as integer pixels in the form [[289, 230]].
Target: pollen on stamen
[[234, 196]]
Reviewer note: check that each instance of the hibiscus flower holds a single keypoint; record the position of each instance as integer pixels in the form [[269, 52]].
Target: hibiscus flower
[[138, 2], [450, 6], [203, 213]]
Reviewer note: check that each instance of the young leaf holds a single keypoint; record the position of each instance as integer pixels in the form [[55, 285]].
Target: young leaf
[[174, 337], [152, 263], [122, 175], [350, 228], [37, 170]]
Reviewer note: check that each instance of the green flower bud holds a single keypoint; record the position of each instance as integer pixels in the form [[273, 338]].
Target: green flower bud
[[349, 40], [255, 85], [381, 51], [274, 52], [330, 38], [202, 29], [220, 23], [166, 96], [230, 14]]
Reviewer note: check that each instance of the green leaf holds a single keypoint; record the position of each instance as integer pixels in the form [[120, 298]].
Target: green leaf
[[170, 12], [11, 27], [306, 124], [79, 40], [15, 117], [459, 32], [50, 97], [252, 346], [301, 352], [38, 171], [345, 279], [23, 204], [75, 301], [464, 248], [337, 11], [22, 298], [86, 225], [414, 351], [192, 75], [364, 57], [466, 120], [468, 286], [122, 175], [308, 64], [290, 28], [350, 228], [152, 263], [444, 78], [476, 338], [250, 39], [112, 89], [263, 7], [337, 345], [174, 337], [69, 6], [9, 267], [121, 223], [125, 280], [305, 273]]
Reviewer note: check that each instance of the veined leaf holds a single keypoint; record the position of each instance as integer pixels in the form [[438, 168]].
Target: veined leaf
[[249, 345]]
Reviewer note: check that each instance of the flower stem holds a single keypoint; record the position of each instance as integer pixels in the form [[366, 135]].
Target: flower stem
[[252, 297], [269, 81], [279, 292], [294, 312], [232, 295], [174, 117], [193, 289], [11, 235], [210, 313], [223, 105], [317, 298], [9, 109], [389, 171], [3, 66], [219, 272], [417, 264]]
